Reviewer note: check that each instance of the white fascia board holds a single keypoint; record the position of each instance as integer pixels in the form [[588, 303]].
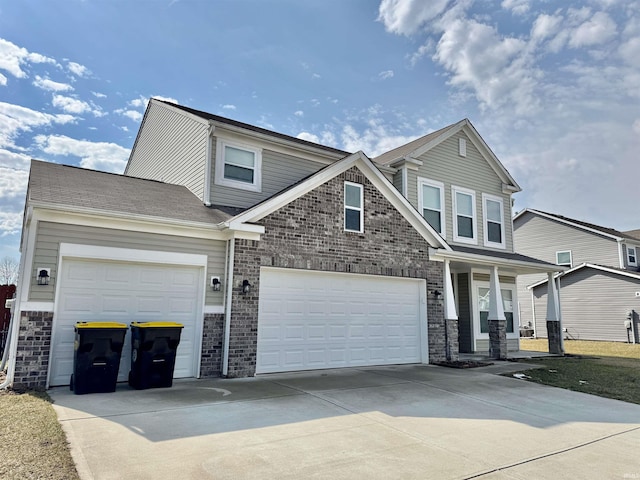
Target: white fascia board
[[180, 111], [567, 222], [518, 265], [276, 144], [93, 218]]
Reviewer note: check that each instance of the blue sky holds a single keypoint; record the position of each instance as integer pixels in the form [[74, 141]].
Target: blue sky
[[552, 86]]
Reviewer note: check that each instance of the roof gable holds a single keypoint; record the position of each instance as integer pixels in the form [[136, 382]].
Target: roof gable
[[585, 226], [422, 145], [364, 164], [594, 266]]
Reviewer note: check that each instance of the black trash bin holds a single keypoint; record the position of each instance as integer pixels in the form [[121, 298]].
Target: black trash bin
[[153, 353], [96, 361]]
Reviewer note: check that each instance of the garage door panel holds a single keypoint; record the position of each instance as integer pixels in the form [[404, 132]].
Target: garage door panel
[[125, 292], [346, 320]]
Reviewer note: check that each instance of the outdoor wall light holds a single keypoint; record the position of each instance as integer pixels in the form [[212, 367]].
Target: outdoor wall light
[[246, 287], [43, 276], [215, 284], [437, 293]]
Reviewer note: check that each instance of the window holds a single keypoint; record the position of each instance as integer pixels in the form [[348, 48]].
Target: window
[[631, 256], [431, 203], [493, 221], [564, 258], [353, 210], [238, 166], [464, 225], [483, 307]]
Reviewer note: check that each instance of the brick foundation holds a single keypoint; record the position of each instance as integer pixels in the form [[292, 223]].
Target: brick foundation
[[34, 345], [554, 334], [212, 340]]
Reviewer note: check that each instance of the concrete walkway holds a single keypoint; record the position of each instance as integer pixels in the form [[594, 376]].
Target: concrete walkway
[[372, 423]]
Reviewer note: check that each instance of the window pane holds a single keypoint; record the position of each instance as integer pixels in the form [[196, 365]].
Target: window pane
[[507, 300], [431, 197], [493, 211], [242, 158], [509, 317], [483, 298], [484, 322], [352, 196], [464, 205], [465, 227], [433, 218], [563, 258], [240, 174], [352, 219], [494, 232]]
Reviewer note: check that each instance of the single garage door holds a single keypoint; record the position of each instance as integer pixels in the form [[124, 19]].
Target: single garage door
[[312, 320], [125, 292]]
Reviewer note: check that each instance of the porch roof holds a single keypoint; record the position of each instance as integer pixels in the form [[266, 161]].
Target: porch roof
[[477, 257]]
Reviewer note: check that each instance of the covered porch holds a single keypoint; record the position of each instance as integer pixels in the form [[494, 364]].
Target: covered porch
[[480, 301]]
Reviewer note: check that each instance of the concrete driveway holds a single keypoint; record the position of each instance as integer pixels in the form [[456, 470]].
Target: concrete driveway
[[404, 422]]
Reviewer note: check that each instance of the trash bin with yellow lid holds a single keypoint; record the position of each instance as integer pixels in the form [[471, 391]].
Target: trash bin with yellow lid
[[153, 353], [96, 361]]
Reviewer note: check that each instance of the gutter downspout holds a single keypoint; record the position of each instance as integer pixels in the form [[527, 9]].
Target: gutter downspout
[[227, 316], [207, 169]]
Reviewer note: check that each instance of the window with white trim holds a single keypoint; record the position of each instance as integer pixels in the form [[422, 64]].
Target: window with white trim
[[492, 210], [632, 259], [564, 258], [507, 307], [464, 207], [353, 207], [238, 166], [431, 203]]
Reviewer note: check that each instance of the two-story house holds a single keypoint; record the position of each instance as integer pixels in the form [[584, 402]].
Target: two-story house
[[601, 286], [277, 254]]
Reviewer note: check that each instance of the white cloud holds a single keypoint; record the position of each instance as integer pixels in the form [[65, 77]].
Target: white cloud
[[228, 107], [545, 26], [15, 119], [599, 29], [309, 137], [99, 95], [50, 85], [103, 156], [13, 58], [299, 113], [78, 70], [10, 223], [316, 76], [405, 17], [132, 114], [636, 126], [71, 105], [164, 99], [385, 74], [14, 160], [13, 182], [3, 80], [517, 7]]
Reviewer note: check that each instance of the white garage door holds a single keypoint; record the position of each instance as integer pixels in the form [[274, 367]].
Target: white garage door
[[312, 320], [125, 292]]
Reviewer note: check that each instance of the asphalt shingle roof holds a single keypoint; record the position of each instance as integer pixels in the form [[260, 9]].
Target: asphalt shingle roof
[[63, 185], [608, 231], [406, 149], [497, 254]]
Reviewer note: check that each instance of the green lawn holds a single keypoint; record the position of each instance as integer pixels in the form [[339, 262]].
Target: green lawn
[[33, 443], [607, 369]]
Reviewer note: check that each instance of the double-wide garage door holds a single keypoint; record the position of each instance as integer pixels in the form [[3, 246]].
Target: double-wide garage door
[[313, 320], [124, 292]]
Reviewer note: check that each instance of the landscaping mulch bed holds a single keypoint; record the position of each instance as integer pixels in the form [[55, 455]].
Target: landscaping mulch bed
[[463, 364]]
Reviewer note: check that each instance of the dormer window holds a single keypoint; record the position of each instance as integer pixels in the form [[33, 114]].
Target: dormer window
[[238, 166]]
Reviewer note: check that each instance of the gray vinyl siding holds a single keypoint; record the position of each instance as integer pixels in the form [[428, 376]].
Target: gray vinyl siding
[[594, 305], [443, 164], [397, 181], [541, 238], [279, 171], [525, 306], [171, 148], [465, 325], [49, 236]]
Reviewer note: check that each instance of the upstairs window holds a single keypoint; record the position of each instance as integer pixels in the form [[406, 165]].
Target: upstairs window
[[238, 166], [431, 203], [632, 260], [464, 225], [493, 221], [353, 207], [564, 258]]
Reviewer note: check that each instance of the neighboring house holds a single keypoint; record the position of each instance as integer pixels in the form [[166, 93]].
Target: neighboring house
[[599, 299], [277, 254]]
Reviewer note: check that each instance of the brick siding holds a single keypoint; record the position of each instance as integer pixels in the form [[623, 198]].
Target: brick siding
[[34, 345], [212, 337], [308, 234]]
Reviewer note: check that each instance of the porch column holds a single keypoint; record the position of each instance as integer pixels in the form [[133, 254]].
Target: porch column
[[554, 326], [450, 317], [497, 320]]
